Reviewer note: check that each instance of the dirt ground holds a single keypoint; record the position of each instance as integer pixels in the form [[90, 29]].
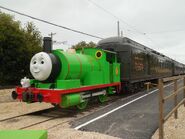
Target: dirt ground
[[69, 133], [174, 128], [5, 95]]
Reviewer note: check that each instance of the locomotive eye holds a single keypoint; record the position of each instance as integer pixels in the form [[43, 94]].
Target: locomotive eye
[[42, 62], [34, 62]]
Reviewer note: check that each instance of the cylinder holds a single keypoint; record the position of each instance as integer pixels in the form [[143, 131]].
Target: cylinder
[[70, 100]]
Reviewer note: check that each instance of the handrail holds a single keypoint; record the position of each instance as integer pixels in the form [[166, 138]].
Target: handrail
[[167, 79]]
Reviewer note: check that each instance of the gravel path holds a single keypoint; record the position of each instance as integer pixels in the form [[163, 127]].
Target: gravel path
[[174, 128]]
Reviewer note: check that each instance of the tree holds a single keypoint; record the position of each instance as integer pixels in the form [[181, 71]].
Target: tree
[[17, 46], [83, 44]]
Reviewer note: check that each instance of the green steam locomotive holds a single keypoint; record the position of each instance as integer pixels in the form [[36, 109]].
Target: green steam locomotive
[[70, 78]]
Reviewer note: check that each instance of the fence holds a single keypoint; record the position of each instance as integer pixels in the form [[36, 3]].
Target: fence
[[163, 99], [149, 85]]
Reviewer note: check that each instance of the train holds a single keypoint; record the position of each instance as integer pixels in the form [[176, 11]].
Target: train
[[140, 64], [73, 77], [70, 78]]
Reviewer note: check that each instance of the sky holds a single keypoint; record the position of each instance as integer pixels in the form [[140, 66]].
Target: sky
[[158, 24]]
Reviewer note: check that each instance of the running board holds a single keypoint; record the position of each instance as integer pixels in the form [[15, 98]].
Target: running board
[[85, 95]]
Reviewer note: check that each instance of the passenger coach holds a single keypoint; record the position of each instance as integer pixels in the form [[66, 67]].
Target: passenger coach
[[140, 63]]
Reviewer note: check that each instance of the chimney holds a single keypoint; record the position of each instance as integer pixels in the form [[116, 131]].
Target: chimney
[[47, 46]]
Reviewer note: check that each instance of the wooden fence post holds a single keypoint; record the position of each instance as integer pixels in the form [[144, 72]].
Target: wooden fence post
[[175, 99], [148, 86], [161, 109]]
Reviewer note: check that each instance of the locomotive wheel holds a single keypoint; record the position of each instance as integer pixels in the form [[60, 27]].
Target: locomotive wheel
[[82, 105], [102, 98]]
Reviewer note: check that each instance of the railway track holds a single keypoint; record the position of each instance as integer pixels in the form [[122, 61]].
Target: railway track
[[34, 118], [50, 115], [13, 117]]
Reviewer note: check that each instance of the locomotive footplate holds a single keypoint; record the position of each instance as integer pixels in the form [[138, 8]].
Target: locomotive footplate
[[32, 94]]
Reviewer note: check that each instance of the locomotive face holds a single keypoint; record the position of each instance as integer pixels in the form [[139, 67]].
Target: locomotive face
[[41, 66]]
